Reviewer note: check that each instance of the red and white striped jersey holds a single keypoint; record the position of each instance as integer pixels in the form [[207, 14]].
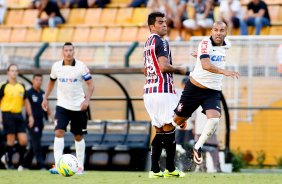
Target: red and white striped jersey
[[156, 81]]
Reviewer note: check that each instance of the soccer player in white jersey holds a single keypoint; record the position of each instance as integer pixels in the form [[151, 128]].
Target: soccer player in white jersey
[[204, 87], [72, 103], [159, 95]]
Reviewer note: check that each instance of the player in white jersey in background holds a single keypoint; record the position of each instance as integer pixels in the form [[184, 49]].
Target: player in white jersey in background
[[72, 103], [159, 95], [204, 87]]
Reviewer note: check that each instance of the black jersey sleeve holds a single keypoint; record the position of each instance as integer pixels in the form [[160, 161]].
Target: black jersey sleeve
[[161, 47]]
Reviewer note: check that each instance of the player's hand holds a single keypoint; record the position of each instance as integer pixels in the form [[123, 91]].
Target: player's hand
[[231, 74], [84, 105], [194, 53], [30, 121], [44, 104]]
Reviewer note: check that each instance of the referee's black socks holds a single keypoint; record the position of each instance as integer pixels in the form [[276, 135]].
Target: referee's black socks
[[22, 150], [156, 150], [170, 146], [10, 152]]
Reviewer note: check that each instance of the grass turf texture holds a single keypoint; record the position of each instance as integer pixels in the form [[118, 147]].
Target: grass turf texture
[[100, 177]]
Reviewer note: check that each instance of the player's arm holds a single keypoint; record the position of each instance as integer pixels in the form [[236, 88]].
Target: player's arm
[[49, 88], [207, 65], [90, 90], [165, 67], [28, 110]]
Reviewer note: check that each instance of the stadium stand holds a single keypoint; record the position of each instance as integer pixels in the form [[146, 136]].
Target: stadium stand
[[81, 34]]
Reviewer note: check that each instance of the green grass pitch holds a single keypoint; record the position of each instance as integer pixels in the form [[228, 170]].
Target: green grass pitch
[[106, 177]]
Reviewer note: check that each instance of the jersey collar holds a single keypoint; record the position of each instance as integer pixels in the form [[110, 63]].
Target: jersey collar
[[73, 63]]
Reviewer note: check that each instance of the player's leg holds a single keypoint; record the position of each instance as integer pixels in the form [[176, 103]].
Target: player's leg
[[9, 150], [78, 128], [37, 149], [156, 150], [61, 120], [170, 146], [22, 138], [212, 108], [154, 108], [10, 131], [189, 101]]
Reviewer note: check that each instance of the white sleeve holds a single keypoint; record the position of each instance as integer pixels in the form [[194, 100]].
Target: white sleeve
[[86, 73], [236, 6], [205, 48], [53, 74], [222, 6]]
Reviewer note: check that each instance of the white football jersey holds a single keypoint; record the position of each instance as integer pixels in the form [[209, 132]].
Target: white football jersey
[[217, 55], [70, 93]]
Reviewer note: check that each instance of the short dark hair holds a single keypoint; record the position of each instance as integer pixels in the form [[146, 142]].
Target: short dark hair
[[68, 44], [10, 65], [37, 75], [152, 17]]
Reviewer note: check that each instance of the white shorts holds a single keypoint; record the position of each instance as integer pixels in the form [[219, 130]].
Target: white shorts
[[160, 107]]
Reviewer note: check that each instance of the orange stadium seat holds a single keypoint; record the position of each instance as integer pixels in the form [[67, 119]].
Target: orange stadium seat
[[33, 35], [129, 34], [81, 34], [97, 34], [140, 16], [92, 16], [7, 32], [18, 35], [24, 3], [108, 16], [124, 16], [275, 30], [274, 12], [65, 34], [173, 33], [76, 16], [143, 34], [14, 17], [113, 34], [12, 3], [65, 13], [29, 17], [49, 34]]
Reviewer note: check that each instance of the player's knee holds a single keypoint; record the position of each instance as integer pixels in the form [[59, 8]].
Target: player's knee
[[78, 137], [59, 133]]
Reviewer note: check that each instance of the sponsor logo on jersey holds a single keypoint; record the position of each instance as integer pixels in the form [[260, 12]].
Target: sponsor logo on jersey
[[204, 47], [68, 80], [216, 58], [165, 46]]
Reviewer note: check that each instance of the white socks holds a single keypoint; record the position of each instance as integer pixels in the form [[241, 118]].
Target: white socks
[[209, 129], [80, 152], [59, 145]]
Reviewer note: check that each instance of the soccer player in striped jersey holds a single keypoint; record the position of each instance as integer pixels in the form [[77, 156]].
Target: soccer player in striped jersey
[[159, 95], [204, 87]]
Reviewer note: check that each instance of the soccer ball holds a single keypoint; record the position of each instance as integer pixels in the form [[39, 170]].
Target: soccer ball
[[67, 165]]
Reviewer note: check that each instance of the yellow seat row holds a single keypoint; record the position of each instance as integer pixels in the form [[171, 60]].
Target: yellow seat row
[[78, 34], [25, 3], [81, 16]]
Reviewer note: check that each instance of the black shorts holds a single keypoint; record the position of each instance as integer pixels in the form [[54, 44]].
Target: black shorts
[[78, 120], [192, 97], [13, 123]]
